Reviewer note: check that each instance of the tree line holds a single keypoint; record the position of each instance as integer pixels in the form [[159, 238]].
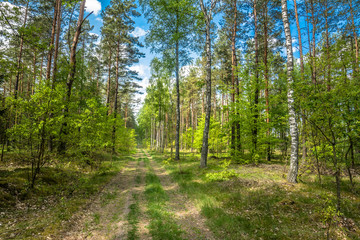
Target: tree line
[[64, 90], [273, 80]]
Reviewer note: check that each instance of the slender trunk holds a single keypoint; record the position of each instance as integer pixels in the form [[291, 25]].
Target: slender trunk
[[328, 60], [125, 114], [355, 36], [52, 39], [309, 39], [177, 136], [205, 144], [41, 68], [34, 75], [294, 165], [71, 75], [300, 41], [266, 76], [20, 53], [337, 178], [233, 76], [116, 96], [256, 97], [313, 22], [98, 79], [108, 83], [57, 41]]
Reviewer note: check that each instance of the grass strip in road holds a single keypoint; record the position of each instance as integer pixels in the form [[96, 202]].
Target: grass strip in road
[[162, 223], [133, 219]]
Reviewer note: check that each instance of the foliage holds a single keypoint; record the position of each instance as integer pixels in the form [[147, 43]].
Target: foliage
[[224, 175]]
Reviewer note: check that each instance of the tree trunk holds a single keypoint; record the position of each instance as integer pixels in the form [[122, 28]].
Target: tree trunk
[[355, 36], [205, 144], [233, 63], [57, 41], [71, 75], [256, 97], [313, 42], [116, 96], [20, 53], [177, 136], [294, 165], [35, 71], [108, 84], [328, 60], [299, 39], [266, 76], [52, 39]]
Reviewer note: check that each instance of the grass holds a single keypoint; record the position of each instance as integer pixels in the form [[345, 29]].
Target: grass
[[62, 189], [133, 219], [162, 223], [260, 204]]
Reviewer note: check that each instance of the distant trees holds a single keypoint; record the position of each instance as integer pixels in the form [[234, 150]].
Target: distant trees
[[172, 31], [264, 101]]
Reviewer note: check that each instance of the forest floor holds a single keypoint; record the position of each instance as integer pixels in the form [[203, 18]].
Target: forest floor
[[146, 196]]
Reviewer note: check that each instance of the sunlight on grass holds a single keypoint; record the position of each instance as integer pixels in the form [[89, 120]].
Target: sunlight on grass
[[259, 203]]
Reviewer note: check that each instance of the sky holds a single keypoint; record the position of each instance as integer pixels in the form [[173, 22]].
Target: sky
[[141, 28]]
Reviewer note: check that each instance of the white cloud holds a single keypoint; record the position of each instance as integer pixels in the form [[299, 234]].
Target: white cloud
[[93, 5], [142, 70], [144, 73], [99, 19], [139, 32]]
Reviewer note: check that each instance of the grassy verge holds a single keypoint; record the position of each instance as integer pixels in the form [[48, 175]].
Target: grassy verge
[[62, 189], [260, 204], [162, 223]]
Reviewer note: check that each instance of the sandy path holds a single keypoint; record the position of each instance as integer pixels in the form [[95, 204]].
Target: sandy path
[[187, 216], [106, 217]]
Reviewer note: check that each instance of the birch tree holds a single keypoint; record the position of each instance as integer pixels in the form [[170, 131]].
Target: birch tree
[[294, 164]]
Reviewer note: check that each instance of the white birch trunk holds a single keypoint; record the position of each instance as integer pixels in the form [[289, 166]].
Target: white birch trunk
[[294, 163]]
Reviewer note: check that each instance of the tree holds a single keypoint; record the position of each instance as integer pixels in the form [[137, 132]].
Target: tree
[[208, 14], [172, 27], [293, 170]]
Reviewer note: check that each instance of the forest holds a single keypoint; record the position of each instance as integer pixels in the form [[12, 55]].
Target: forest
[[247, 125]]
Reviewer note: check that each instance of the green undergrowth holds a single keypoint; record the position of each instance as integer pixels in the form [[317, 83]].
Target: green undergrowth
[[260, 204], [162, 224], [62, 188]]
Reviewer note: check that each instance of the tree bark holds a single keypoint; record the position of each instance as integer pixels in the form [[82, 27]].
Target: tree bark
[[299, 39], [57, 41], [177, 136], [116, 96], [71, 75], [51, 46], [328, 60], [256, 97], [205, 144], [20, 54], [313, 42], [293, 170], [355, 36], [266, 76], [233, 76]]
